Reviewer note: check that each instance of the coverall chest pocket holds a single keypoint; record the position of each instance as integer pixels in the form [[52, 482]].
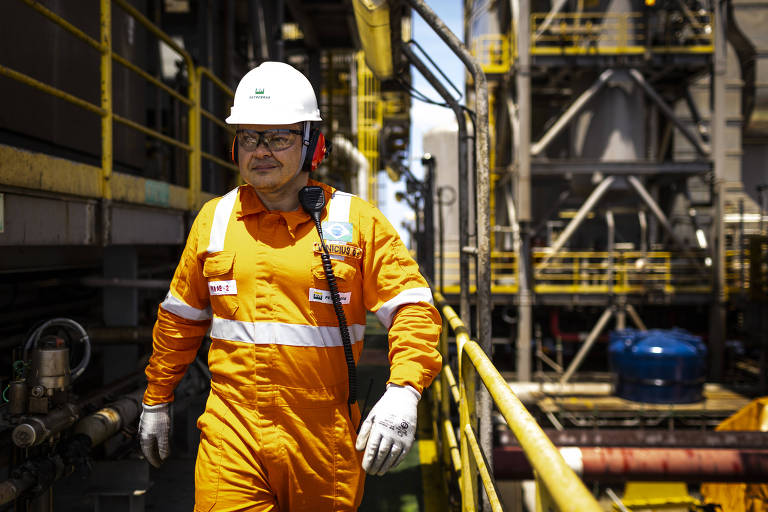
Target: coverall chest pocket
[[320, 303], [218, 269]]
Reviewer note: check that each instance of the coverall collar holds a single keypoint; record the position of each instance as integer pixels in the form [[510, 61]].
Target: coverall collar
[[249, 203]]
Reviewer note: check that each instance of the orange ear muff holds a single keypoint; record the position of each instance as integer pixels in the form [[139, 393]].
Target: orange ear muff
[[233, 152], [317, 148]]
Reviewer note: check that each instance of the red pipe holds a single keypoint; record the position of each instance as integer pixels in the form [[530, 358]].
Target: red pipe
[[649, 464]]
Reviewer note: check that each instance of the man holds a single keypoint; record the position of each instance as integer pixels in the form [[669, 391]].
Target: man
[[278, 432]]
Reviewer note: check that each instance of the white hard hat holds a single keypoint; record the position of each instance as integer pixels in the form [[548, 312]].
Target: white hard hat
[[274, 93]]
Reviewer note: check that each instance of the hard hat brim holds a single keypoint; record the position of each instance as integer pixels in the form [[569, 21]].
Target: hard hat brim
[[283, 118]]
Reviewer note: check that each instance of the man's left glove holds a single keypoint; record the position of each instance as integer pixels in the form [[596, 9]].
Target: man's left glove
[[154, 431], [389, 430]]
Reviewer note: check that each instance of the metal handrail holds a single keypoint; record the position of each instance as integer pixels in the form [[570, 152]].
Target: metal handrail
[[556, 482], [103, 45]]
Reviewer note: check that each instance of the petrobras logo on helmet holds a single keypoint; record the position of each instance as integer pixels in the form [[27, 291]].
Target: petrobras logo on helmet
[[258, 94]]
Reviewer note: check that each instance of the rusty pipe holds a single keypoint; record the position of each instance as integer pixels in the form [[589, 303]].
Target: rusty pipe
[[619, 464]]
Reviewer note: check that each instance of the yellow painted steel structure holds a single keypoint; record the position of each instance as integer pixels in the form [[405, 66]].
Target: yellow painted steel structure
[[78, 179], [620, 272], [611, 34], [588, 34], [557, 485], [372, 20], [369, 121]]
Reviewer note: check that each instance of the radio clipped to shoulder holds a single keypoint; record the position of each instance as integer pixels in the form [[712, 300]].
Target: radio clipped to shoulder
[[312, 199]]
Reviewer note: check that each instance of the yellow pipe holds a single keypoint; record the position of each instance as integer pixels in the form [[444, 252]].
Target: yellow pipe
[[213, 78], [36, 5], [216, 120], [221, 162], [453, 445], [105, 31], [149, 78], [53, 91], [482, 467], [451, 383], [193, 94], [152, 133], [567, 490], [372, 19]]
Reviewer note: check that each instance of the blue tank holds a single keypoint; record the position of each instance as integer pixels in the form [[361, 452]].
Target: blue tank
[[658, 366]]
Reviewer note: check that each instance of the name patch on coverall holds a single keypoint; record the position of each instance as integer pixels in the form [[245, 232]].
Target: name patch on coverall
[[335, 249], [222, 287], [324, 296]]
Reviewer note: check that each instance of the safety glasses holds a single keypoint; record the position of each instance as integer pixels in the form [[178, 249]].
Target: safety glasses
[[275, 140]]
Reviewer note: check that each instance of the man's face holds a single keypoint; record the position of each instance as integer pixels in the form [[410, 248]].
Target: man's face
[[271, 170]]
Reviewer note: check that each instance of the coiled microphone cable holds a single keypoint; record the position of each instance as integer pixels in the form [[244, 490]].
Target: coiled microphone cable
[[312, 199]]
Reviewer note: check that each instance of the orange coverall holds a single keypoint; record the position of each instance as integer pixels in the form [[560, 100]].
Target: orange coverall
[[276, 432]]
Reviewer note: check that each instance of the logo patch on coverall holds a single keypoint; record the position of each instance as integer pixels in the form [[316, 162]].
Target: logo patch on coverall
[[337, 231], [222, 287], [347, 250], [324, 296]]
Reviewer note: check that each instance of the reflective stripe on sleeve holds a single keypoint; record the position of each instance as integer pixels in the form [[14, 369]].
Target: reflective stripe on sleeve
[[220, 220], [386, 312], [265, 333], [180, 308], [338, 209]]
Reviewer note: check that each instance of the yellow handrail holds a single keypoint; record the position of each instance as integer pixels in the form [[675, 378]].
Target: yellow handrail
[[104, 46], [556, 481]]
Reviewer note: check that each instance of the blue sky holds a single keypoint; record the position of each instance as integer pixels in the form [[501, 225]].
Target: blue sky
[[425, 116]]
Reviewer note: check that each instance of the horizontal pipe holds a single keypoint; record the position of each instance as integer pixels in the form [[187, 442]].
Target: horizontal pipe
[[482, 468], [695, 439], [620, 464], [55, 18]]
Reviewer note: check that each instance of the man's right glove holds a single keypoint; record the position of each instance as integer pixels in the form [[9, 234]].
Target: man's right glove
[[154, 430], [389, 430]]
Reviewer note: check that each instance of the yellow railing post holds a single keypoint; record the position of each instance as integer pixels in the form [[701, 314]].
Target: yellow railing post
[[195, 165], [105, 30], [467, 416]]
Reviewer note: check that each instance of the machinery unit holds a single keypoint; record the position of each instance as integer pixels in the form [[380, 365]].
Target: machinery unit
[[658, 366]]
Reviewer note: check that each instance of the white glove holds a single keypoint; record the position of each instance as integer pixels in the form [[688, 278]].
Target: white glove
[[154, 429], [389, 430]]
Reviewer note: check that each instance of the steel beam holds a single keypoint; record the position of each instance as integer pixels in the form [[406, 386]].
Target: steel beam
[[571, 112], [695, 139], [648, 200], [591, 339], [557, 168], [590, 203]]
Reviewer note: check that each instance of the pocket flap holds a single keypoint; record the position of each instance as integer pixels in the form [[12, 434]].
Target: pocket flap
[[218, 264], [341, 270]]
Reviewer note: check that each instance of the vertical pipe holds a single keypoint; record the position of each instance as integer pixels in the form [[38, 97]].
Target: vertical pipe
[[429, 217], [105, 29], [717, 316], [740, 246], [461, 121], [441, 239], [610, 247], [523, 85], [483, 261]]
